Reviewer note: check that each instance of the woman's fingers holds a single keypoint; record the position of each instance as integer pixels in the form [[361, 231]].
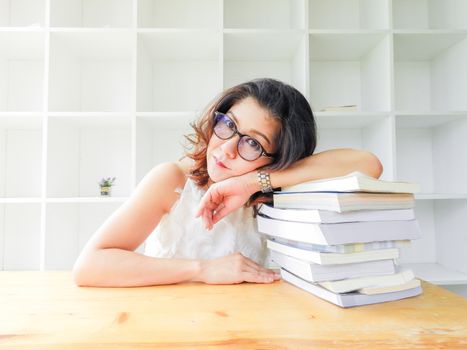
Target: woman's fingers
[[256, 266], [206, 202], [257, 278], [220, 212], [211, 204], [206, 219], [234, 268], [251, 266], [260, 273]]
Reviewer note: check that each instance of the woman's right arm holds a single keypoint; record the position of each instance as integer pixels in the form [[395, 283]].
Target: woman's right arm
[[109, 258]]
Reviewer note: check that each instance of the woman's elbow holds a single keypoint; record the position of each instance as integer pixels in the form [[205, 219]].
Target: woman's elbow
[[374, 165], [77, 276], [80, 273]]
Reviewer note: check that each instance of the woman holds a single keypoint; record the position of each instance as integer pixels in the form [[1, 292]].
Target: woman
[[196, 215]]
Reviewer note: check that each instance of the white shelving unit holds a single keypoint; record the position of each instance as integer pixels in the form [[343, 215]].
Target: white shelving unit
[[176, 63], [108, 87]]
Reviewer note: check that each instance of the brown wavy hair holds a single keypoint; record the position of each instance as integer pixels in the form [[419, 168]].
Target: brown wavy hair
[[295, 140]]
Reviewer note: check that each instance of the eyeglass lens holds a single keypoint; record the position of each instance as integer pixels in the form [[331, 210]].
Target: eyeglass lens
[[248, 148]]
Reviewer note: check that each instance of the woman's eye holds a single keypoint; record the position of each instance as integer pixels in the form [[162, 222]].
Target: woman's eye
[[252, 143], [230, 124]]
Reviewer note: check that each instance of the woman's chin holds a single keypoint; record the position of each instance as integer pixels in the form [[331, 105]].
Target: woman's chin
[[216, 175], [213, 175]]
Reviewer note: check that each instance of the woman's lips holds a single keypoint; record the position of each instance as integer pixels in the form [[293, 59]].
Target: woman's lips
[[219, 163]]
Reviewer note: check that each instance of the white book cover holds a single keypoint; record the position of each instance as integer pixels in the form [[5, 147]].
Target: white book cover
[[348, 299], [342, 202], [328, 216], [345, 108], [333, 258], [318, 273], [343, 248], [343, 233], [355, 181], [388, 289], [353, 284]]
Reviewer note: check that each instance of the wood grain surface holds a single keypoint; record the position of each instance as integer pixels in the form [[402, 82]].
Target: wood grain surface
[[45, 310]]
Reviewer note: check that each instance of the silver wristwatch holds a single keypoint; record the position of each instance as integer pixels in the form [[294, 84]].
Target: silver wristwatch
[[264, 181]]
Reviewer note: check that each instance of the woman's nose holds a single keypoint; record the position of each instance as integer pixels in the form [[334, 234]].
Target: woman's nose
[[229, 147]]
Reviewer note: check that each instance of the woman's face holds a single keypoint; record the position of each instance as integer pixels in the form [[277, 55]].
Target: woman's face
[[223, 160]]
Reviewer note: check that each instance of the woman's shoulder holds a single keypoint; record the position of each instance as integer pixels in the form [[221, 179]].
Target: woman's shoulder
[[175, 173], [166, 179], [185, 165]]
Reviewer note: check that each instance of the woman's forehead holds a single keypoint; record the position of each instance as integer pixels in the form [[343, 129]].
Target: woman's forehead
[[250, 115]]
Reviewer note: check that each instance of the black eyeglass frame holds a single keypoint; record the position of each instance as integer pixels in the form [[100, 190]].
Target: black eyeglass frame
[[236, 132]]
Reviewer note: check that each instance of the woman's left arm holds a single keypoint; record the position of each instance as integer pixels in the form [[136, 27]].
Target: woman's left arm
[[326, 164], [228, 195]]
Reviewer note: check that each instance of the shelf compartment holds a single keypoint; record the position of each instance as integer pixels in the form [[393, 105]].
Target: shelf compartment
[[179, 14], [22, 13], [348, 120], [427, 120], [350, 69], [69, 226], [422, 196], [274, 54], [160, 139], [369, 132], [348, 14], [178, 70], [91, 13], [437, 274], [111, 199], [22, 71], [270, 14], [438, 169], [430, 72], [20, 156], [429, 14], [83, 150], [439, 255], [90, 71], [20, 236]]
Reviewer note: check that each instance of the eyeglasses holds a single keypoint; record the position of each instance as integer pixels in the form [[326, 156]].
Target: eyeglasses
[[248, 148]]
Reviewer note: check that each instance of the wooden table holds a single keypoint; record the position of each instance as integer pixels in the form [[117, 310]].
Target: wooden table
[[45, 310]]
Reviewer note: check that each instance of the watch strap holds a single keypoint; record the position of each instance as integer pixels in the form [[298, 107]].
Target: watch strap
[[264, 181]]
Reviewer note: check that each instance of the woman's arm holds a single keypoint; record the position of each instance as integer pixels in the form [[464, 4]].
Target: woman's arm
[[326, 164], [226, 196], [109, 259]]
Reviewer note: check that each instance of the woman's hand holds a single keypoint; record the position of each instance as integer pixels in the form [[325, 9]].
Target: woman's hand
[[225, 196], [232, 269]]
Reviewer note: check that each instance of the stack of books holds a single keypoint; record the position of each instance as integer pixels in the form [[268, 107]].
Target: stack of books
[[339, 238]]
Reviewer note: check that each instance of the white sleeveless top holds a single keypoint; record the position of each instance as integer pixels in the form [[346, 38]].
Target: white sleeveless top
[[180, 235]]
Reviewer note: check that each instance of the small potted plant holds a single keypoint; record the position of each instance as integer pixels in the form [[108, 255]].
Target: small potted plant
[[106, 185]]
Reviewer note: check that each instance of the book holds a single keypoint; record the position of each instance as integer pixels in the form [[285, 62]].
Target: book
[[343, 233], [333, 258], [318, 273], [341, 202], [354, 182], [353, 284], [327, 216], [348, 299], [387, 289], [344, 108], [342, 248]]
